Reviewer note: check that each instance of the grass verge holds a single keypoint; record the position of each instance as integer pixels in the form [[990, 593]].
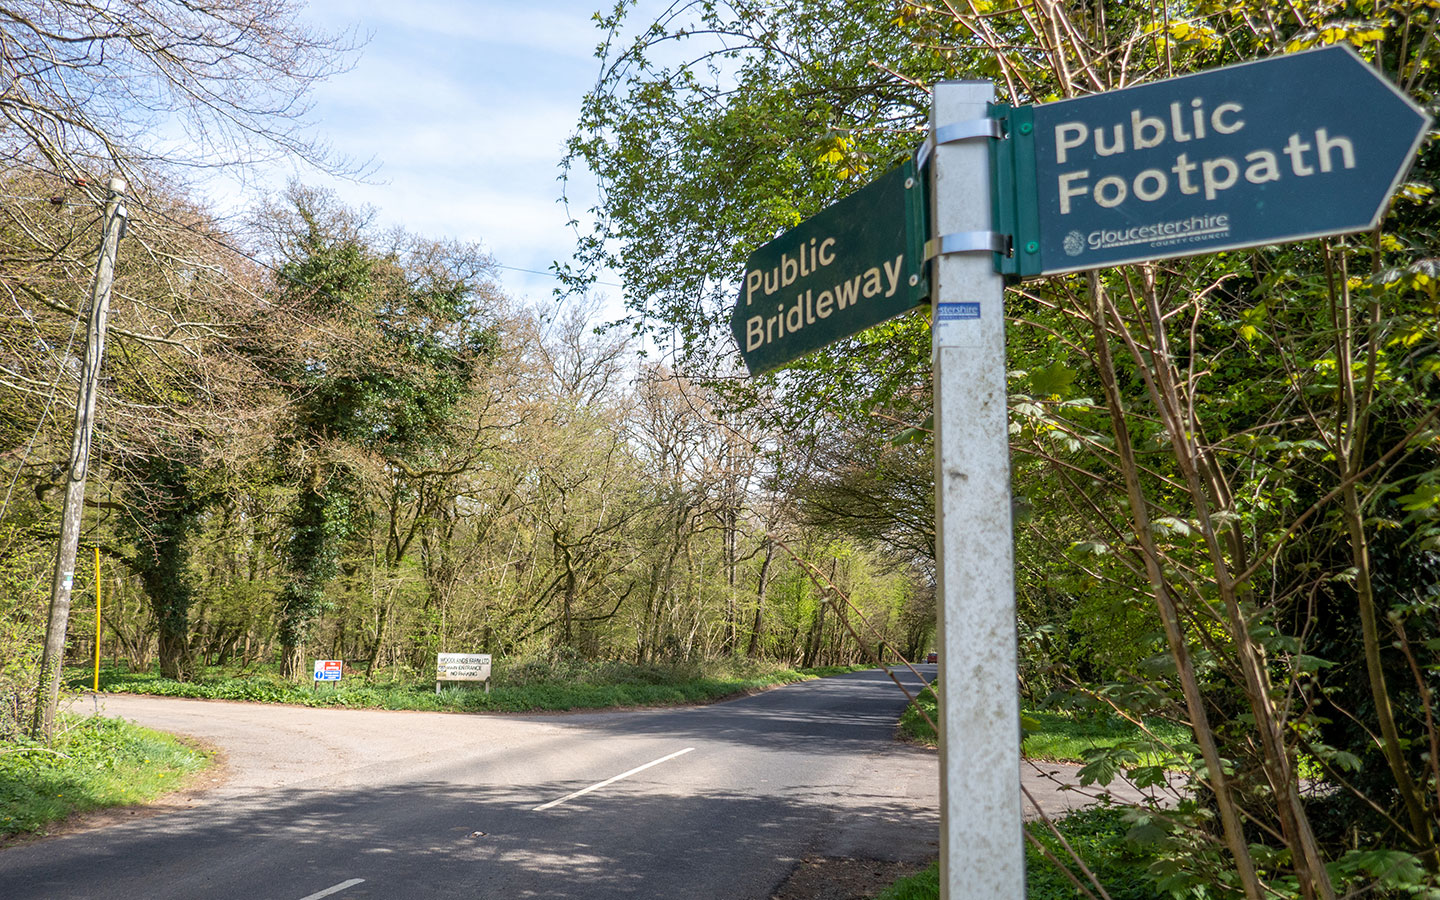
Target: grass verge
[[1061, 735], [529, 685], [1096, 834], [93, 763], [1098, 837]]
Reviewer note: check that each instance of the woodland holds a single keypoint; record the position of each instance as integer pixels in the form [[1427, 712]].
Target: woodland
[[317, 439]]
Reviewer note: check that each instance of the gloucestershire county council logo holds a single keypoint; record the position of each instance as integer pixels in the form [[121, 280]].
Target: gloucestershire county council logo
[[1074, 243]]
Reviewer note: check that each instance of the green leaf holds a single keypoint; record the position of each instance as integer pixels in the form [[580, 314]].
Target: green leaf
[[1149, 776], [1310, 664], [1052, 380], [1426, 497], [1390, 868], [1146, 832], [1172, 526], [909, 436]]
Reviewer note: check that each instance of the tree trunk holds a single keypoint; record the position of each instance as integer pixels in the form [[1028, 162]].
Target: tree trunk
[[1185, 436], [757, 625], [292, 661], [1352, 431], [813, 638], [1230, 822], [382, 632], [175, 661]]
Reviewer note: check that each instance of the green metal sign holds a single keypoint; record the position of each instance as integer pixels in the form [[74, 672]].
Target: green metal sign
[[1282, 149], [854, 264]]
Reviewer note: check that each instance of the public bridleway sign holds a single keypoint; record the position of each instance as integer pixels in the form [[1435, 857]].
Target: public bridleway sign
[[1287, 148], [854, 264]]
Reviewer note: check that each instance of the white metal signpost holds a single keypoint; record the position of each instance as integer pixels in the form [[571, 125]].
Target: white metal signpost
[[328, 670], [981, 851], [1278, 150]]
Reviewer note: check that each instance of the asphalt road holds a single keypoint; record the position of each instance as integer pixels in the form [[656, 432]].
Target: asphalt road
[[718, 801]]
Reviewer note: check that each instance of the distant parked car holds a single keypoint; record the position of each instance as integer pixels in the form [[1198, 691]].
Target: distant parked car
[[932, 657]]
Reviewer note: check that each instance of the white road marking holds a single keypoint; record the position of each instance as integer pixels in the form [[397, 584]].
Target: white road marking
[[598, 785], [333, 890]]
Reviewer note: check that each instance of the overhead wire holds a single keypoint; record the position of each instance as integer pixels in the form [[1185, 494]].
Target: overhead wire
[[60, 201], [49, 402], [206, 234]]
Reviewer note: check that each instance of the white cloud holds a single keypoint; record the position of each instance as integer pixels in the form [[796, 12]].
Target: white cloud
[[431, 130], [465, 107], [560, 28]]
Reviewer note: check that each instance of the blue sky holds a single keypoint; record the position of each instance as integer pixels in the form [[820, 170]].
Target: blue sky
[[465, 106]]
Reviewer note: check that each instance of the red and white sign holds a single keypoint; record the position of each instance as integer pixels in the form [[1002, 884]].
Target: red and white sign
[[328, 669]]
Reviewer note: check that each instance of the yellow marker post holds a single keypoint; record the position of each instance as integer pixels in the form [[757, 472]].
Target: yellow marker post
[[97, 618]]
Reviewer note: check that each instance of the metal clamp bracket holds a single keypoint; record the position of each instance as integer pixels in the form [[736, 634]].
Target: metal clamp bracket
[[959, 131], [973, 128], [967, 242]]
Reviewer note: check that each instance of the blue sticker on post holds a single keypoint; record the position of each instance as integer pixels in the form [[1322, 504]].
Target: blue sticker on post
[[951, 312]]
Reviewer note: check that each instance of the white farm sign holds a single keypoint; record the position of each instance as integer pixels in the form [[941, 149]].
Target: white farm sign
[[462, 667]]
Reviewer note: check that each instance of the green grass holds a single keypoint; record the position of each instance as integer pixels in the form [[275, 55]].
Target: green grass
[[923, 885], [913, 726], [528, 685], [1062, 735], [1097, 835], [94, 763]]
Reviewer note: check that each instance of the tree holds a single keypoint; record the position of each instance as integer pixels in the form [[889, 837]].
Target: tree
[[168, 379], [787, 109], [393, 337], [90, 90], [162, 514], [94, 88]]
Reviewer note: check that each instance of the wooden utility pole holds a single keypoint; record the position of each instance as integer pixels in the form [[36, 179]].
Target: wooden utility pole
[[52, 661]]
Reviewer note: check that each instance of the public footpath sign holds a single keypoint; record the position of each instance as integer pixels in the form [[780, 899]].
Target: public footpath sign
[[854, 264], [327, 669], [1284, 149]]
